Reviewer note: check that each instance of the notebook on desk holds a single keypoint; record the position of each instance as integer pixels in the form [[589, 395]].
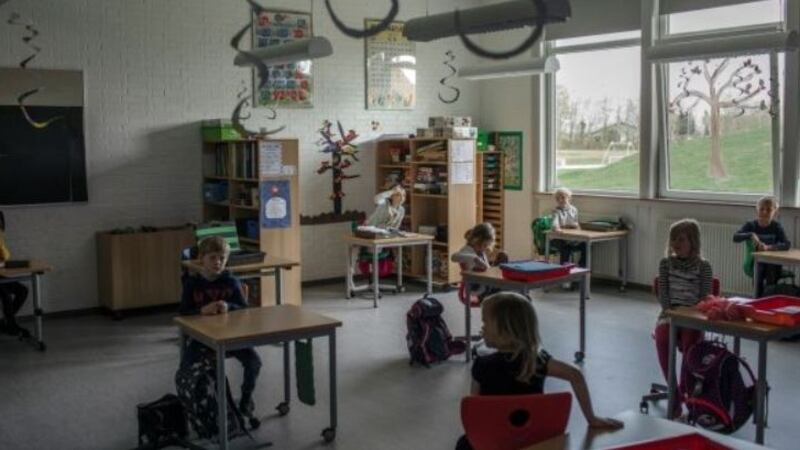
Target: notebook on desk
[[227, 231]]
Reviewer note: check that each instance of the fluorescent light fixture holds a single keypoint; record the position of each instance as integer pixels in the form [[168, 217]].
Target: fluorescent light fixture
[[779, 41], [526, 67], [300, 50], [484, 19]]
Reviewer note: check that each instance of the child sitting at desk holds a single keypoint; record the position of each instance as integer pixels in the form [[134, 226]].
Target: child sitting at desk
[[215, 291], [765, 233], [474, 256], [390, 210], [12, 294], [520, 365], [565, 216]]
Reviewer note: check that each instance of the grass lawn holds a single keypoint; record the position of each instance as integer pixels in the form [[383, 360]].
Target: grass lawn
[[747, 157]]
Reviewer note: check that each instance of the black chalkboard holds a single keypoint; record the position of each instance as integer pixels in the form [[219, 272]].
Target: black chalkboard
[[42, 165]]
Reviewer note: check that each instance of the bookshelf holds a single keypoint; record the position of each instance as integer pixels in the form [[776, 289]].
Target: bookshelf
[[230, 186], [435, 199]]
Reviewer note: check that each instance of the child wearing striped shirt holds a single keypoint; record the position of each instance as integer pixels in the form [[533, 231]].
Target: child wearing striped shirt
[[684, 278]]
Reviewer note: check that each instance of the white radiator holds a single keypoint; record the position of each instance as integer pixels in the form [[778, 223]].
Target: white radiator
[[605, 255], [718, 248]]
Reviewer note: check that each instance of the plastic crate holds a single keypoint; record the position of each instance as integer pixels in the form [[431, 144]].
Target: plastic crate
[[692, 441], [530, 271], [776, 310], [220, 133]]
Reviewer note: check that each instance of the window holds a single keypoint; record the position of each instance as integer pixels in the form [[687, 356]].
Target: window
[[722, 114], [594, 112], [726, 17]]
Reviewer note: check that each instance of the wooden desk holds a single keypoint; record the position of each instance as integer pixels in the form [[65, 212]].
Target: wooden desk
[[32, 273], [788, 258], [375, 246], [261, 326], [592, 237], [638, 428], [494, 278], [271, 266], [685, 317]]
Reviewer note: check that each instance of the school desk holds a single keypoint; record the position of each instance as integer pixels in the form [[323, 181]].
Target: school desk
[[375, 246], [32, 273], [787, 258], [593, 237], [492, 277], [262, 326], [762, 333], [271, 266], [638, 428]]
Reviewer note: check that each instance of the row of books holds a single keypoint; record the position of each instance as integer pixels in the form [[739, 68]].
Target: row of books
[[245, 163]]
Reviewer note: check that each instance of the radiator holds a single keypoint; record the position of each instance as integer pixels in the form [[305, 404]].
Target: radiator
[[605, 255], [718, 248]]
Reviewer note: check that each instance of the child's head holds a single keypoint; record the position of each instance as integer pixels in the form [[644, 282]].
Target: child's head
[[766, 208], [213, 252], [562, 196], [398, 196], [510, 325], [684, 239], [481, 237]]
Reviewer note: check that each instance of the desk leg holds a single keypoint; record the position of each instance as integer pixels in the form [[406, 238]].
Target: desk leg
[[37, 309], [756, 277], [736, 345], [579, 355], [278, 285], [222, 399], [761, 392], [589, 266], [429, 266], [468, 322], [400, 269], [376, 289], [547, 248], [348, 275], [671, 379], [287, 374], [330, 433], [623, 262]]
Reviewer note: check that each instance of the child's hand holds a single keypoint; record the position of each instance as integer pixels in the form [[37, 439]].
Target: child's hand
[[502, 257], [222, 307], [605, 422], [209, 310]]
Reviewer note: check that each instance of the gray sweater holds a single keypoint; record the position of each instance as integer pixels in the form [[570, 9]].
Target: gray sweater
[[386, 215]]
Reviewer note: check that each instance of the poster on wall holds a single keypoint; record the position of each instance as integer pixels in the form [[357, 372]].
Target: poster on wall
[[510, 143], [289, 85], [391, 69], [276, 207]]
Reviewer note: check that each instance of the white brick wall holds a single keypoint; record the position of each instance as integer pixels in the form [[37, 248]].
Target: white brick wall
[[153, 70]]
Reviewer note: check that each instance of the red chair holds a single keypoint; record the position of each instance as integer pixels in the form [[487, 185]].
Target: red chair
[[513, 422], [660, 391]]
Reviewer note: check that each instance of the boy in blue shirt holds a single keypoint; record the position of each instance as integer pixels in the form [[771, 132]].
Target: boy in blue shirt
[[215, 291], [766, 234]]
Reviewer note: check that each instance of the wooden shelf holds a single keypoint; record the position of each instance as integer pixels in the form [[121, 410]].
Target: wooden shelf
[[248, 207], [394, 166], [244, 240], [215, 177], [439, 196], [430, 163], [439, 244], [245, 180], [218, 204]]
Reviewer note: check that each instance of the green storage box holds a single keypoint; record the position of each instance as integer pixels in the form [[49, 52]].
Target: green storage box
[[482, 142], [219, 130]]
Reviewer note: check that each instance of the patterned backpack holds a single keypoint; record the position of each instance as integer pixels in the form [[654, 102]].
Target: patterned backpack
[[715, 391], [428, 337]]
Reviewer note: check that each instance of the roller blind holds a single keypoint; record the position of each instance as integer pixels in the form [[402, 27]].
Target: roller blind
[[590, 17], [678, 6]]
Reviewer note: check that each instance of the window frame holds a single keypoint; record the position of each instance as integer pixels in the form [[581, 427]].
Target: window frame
[[550, 113]]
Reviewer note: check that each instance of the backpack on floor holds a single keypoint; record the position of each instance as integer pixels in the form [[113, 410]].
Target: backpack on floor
[[716, 394], [162, 422], [428, 337], [197, 391]]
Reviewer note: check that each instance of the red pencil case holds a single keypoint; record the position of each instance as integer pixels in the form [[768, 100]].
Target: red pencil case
[[776, 310], [530, 271]]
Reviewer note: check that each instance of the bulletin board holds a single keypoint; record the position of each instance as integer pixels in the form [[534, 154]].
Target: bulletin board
[[510, 143], [391, 69], [289, 85]]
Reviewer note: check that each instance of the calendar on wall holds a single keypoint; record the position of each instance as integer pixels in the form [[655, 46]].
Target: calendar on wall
[[391, 65], [289, 85]]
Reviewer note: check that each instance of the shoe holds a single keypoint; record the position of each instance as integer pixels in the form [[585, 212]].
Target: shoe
[[247, 406]]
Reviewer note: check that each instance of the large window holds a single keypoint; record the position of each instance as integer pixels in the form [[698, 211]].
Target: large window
[[726, 17], [595, 105]]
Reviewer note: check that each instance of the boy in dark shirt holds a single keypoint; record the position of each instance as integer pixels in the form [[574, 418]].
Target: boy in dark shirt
[[12, 295], [215, 291], [766, 234]]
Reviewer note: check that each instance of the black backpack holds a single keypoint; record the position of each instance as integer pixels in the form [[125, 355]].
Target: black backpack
[[428, 338], [162, 423]]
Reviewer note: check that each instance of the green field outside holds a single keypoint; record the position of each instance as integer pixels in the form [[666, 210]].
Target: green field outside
[[747, 157]]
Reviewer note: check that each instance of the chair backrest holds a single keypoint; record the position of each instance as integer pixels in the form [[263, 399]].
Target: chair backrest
[[748, 264], [474, 301], [716, 286], [225, 230], [539, 228], [512, 422]]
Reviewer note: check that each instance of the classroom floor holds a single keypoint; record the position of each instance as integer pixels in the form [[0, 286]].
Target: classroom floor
[[82, 393]]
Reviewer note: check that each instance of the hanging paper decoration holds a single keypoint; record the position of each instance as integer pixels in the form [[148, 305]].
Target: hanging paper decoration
[[456, 91], [381, 26], [541, 18]]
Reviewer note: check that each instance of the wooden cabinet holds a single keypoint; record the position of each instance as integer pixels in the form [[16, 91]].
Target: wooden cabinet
[[491, 196], [136, 270]]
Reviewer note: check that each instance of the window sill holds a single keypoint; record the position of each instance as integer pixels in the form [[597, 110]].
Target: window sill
[[660, 200]]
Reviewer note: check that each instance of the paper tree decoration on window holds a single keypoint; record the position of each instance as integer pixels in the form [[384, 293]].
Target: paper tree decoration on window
[[342, 154]]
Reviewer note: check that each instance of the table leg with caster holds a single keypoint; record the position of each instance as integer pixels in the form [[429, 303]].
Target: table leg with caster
[[579, 355], [329, 434]]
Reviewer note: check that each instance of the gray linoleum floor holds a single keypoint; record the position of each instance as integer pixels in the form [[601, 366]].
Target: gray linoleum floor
[[82, 393]]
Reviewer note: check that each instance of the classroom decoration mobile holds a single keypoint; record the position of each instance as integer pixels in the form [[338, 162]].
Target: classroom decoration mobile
[[376, 27], [456, 91], [14, 19], [342, 155], [287, 85], [263, 76], [391, 69]]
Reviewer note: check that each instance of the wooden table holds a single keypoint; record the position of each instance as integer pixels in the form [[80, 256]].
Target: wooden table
[[788, 258], [375, 246], [686, 317], [271, 266], [638, 428], [592, 237], [494, 278], [32, 273], [261, 326]]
